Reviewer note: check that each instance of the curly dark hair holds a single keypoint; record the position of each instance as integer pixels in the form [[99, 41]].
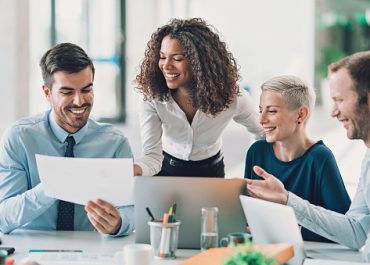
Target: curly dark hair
[[214, 69]]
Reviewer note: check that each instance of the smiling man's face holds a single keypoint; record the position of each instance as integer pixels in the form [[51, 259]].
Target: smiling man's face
[[71, 97], [346, 108]]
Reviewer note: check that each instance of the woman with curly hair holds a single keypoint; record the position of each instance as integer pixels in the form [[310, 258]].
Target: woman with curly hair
[[190, 85]]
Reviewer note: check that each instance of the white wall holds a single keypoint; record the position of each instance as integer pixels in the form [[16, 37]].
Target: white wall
[[14, 72], [267, 37], [141, 19]]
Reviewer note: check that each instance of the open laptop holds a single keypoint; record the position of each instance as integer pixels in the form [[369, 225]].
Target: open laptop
[[275, 223], [190, 194]]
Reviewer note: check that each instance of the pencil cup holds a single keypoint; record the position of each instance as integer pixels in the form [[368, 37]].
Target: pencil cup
[[164, 238]]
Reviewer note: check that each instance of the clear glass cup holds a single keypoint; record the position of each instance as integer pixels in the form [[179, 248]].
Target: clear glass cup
[[209, 228], [164, 238]]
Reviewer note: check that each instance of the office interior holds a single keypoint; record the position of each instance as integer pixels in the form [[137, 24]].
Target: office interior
[[267, 38]]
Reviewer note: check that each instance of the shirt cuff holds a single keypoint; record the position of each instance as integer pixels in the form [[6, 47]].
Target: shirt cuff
[[127, 221], [296, 203], [292, 199]]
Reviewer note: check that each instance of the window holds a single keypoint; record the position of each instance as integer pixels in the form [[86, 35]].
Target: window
[[98, 27]]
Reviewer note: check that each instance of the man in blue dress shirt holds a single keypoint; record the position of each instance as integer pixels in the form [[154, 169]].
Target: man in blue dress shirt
[[68, 75]]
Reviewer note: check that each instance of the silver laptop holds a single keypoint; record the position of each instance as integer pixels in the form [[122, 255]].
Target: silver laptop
[[273, 223], [190, 194]]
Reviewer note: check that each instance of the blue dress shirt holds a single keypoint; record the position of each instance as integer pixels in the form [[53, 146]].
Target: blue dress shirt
[[23, 202]]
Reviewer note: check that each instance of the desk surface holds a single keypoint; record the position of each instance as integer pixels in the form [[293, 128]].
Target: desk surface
[[24, 240], [331, 251]]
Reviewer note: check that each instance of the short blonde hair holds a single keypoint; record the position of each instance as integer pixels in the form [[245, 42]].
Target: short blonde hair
[[294, 90]]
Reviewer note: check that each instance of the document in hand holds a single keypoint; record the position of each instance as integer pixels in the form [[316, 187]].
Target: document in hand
[[79, 180]]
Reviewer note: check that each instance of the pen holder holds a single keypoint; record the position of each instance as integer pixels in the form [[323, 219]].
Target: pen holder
[[164, 238]]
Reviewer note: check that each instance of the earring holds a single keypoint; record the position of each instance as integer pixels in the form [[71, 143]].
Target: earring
[[299, 122]]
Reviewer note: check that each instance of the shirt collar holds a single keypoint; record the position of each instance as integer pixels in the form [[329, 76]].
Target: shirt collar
[[61, 134], [169, 101]]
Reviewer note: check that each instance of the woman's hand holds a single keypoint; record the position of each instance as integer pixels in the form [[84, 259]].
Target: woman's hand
[[137, 170]]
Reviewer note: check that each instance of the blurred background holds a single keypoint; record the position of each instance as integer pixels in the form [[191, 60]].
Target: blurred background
[[267, 37]]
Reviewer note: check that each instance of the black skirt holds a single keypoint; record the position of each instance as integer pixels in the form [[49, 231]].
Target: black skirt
[[210, 167]]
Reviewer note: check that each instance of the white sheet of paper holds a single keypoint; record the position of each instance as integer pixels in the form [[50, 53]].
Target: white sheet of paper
[[80, 180]]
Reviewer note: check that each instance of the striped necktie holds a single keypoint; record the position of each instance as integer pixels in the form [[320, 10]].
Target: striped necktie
[[65, 220]]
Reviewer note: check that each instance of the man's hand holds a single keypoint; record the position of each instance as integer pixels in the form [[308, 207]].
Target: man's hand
[[270, 188], [104, 217]]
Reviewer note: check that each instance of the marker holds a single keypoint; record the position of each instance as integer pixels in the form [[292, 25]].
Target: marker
[[165, 218], [164, 247], [171, 218], [9, 261], [171, 213]]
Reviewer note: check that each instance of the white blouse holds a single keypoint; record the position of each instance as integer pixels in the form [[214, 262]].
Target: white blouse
[[165, 126]]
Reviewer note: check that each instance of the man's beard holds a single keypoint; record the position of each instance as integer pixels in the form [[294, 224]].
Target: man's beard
[[361, 123]]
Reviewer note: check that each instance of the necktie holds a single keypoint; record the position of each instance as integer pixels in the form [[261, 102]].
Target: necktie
[[65, 221]]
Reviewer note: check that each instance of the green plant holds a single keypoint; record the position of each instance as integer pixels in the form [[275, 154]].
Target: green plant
[[249, 257]]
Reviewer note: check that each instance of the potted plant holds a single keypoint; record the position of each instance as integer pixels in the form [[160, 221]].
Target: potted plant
[[248, 256]]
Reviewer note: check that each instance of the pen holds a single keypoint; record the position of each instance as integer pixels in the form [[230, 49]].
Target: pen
[[150, 214], [55, 250]]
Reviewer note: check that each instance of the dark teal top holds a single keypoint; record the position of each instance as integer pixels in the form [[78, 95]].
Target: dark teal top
[[314, 177]]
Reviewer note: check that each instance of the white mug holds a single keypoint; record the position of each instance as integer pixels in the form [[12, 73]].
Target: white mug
[[134, 254]]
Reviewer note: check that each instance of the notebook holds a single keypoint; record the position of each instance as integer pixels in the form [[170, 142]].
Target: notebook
[[275, 223], [190, 194]]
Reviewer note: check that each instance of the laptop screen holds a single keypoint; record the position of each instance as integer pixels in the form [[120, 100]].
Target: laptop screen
[[190, 194], [273, 223]]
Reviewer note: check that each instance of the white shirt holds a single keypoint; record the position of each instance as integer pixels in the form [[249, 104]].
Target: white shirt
[[164, 125], [351, 229]]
